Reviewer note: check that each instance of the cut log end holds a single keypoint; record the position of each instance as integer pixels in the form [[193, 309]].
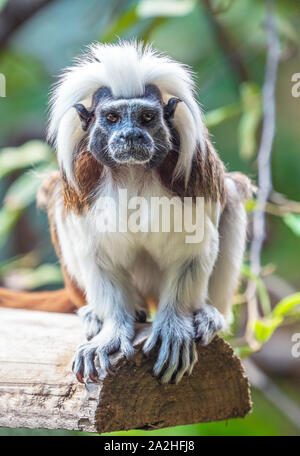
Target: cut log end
[[38, 390]]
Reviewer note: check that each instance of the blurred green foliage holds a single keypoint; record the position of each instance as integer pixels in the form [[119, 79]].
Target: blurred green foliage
[[231, 95]]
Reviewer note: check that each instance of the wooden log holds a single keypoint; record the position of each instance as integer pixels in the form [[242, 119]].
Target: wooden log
[[38, 389]]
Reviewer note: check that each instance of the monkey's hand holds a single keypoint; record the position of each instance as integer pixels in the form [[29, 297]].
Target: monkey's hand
[[207, 322], [177, 352], [112, 337]]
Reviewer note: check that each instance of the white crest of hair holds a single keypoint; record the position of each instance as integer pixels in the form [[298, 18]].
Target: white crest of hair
[[125, 68]]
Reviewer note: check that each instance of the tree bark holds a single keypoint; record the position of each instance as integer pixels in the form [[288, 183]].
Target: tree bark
[[38, 389]]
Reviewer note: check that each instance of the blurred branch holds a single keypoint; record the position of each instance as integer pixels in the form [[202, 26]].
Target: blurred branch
[[280, 200], [264, 163], [268, 132], [223, 9], [156, 22], [234, 57], [279, 286], [275, 208], [15, 14]]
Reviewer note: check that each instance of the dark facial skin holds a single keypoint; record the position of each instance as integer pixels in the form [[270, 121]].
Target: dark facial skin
[[129, 131]]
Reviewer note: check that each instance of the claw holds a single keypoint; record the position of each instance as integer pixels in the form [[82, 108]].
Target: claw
[[150, 344], [110, 371], [185, 366], [78, 367], [193, 357], [93, 378], [179, 363], [147, 349], [162, 357], [79, 377]]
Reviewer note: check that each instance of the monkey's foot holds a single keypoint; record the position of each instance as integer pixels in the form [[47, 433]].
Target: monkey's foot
[[140, 316], [207, 322], [92, 325], [110, 340], [177, 353]]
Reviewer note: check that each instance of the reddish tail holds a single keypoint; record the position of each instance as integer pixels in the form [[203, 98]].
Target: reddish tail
[[47, 301]]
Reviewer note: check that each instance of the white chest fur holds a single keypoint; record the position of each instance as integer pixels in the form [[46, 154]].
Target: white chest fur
[[124, 221]]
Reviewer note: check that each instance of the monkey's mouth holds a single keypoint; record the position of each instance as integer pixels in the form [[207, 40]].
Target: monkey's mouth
[[132, 154]]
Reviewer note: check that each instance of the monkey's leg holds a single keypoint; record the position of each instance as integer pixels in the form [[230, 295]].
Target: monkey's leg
[[92, 325], [233, 232], [224, 279], [186, 283]]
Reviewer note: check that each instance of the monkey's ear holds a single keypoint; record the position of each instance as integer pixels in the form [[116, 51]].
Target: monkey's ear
[[104, 93], [152, 91], [85, 115], [170, 108]]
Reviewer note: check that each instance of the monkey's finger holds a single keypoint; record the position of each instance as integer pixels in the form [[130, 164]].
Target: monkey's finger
[[173, 362], [104, 361], [193, 357], [78, 367], [150, 343], [163, 356], [185, 361], [127, 348], [90, 369]]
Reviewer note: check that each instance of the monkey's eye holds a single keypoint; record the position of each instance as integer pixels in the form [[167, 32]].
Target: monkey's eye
[[112, 117], [147, 117]]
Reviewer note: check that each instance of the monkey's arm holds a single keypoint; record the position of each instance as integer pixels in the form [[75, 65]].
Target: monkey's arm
[[205, 283], [185, 290], [232, 232], [109, 297]]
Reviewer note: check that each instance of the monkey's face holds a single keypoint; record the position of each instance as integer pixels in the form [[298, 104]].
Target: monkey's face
[[128, 131]]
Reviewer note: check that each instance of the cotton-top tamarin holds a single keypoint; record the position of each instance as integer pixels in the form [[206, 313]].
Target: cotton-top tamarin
[[125, 117]]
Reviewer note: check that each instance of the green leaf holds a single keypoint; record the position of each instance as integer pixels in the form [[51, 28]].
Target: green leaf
[[16, 158], [264, 328], [152, 8], [287, 29], [29, 279], [252, 111], [121, 24], [8, 219], [220, 115], [243, 351], [2, 4], [23, 190], [29, 260], [286, 305], [153, 25], [20, 195], [293, 222], [250, 205]]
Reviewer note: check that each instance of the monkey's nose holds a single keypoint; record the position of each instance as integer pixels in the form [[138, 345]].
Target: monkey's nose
[[132, 135]]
